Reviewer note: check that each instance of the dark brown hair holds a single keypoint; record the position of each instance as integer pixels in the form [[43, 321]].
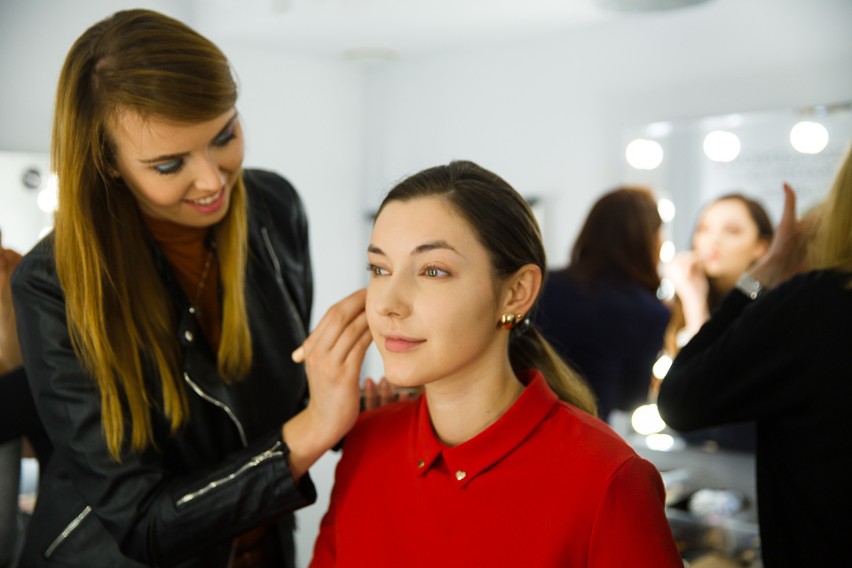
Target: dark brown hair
[[506, 227], [620, 239]]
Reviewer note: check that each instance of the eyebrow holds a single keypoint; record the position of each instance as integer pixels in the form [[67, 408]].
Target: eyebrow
[[168, 157], [420, 249]]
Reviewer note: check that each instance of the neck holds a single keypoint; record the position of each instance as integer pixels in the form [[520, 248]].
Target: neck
[[460, 410]]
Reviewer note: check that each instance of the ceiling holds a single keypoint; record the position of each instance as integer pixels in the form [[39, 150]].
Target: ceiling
[[389, 28]]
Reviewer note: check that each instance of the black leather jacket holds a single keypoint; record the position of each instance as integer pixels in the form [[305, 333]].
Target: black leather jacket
[[180, 502]]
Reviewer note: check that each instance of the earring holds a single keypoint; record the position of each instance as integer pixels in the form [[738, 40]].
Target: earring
[[508, 321]]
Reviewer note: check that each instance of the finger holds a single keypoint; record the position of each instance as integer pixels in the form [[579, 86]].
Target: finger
[[336, 316], [355, 356], [335, 322], [789, 215], [298, 356], [371, 395], [349, 339], [386, 394]]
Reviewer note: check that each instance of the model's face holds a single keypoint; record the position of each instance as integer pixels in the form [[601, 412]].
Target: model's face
[[431, 301], [182, 173], [727, 239]]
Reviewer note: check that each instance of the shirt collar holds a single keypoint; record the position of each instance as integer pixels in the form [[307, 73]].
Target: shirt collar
[[469, 459]]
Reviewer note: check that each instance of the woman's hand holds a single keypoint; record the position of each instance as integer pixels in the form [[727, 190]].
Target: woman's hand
[[10, 348], [333, 355], [786, 256], [383, 392], [686, 273]]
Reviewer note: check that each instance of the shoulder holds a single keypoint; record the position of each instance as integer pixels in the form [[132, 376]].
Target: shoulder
[[833, 282], [37, 268], [590, 440], [810, 296], [271, 190]]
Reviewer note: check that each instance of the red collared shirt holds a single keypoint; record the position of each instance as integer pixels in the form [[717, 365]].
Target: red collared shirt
[[545, 485]]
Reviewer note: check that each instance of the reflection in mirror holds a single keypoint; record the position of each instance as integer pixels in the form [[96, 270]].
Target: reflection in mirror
[[751, 152], [710, 481]]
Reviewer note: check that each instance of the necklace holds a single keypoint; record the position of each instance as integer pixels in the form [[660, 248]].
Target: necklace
[[195, 307]]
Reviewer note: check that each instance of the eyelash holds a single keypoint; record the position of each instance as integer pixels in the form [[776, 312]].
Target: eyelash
[[428, 269], [174, 167], [375, 270]]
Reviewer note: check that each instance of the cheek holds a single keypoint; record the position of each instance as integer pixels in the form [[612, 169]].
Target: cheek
[[230, 157], [160, 194]]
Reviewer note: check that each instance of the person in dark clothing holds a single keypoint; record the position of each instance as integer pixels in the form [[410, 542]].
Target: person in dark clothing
[[601, 313], [732, 233], [158, 319], [777, 352]]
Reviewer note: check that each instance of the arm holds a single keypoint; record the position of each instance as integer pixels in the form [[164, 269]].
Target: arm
[[741, 364], [141, 501], [630, 527]]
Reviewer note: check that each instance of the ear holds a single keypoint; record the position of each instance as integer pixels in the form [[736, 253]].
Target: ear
[[520, 290]]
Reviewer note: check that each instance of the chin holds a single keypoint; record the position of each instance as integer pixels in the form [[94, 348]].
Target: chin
[[404, 379]]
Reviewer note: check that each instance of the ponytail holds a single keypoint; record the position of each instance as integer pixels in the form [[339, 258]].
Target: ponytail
[[529, 350]]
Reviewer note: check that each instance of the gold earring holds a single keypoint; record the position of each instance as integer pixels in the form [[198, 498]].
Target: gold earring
[[508, 321]]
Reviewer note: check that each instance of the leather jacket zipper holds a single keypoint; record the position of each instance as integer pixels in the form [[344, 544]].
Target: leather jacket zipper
[[198, 390], [272, 452], [63, 536], [280, 278]]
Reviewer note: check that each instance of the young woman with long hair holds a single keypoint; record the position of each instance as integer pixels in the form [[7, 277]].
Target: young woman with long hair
[[157, 320], [601, 312]]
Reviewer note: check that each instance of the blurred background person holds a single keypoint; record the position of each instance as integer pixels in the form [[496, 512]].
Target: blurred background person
[[21, 431], [777, 352], [731, 234], [601, 312]]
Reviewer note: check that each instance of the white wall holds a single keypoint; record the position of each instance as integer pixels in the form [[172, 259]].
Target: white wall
[[548, 114]]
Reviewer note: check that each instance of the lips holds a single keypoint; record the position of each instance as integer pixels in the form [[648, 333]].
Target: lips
[[400, 344], [209, 203]]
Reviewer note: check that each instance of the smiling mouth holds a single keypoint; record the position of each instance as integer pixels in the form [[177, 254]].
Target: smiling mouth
[[207, 200], [402, 344]]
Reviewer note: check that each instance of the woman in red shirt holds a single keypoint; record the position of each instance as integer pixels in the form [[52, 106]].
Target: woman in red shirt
[[500, 462]]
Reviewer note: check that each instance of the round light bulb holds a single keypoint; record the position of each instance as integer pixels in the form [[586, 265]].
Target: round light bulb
[[722, 146], [809, 137], [646, 420], [666, 209], [644, 154]]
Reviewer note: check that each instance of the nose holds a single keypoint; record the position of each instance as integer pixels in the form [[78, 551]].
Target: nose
[[389, 296], [209, 176]]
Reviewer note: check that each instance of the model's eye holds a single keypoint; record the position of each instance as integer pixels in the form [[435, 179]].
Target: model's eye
[[433, 272], [169, 167], [377, 270]]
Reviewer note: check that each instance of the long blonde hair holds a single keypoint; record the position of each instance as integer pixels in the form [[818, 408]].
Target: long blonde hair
[[832, 247], [119, 314], [507, 228]]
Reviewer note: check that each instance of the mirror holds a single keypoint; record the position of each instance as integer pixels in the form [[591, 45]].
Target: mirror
[[749, 152]]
